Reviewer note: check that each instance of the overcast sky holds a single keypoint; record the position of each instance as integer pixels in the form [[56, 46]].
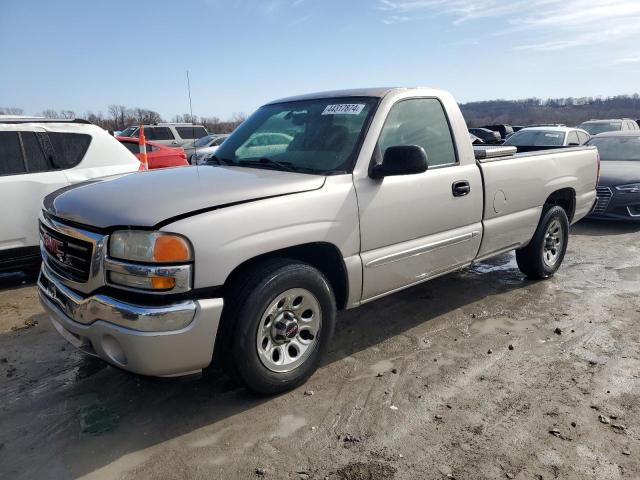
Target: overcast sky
[[85, 55]]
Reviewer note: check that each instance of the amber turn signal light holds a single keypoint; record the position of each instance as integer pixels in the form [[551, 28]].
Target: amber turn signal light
[[163, 283], [170, 248]]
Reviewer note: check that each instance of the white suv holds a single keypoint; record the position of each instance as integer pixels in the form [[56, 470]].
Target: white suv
[[169, 134], [38, 157]]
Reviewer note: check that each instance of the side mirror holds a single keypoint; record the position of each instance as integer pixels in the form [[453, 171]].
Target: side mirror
[[400, 160]]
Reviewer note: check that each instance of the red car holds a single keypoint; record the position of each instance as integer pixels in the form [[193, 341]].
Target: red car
[[158, 156]]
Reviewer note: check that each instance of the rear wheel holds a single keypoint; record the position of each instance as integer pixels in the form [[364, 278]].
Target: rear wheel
[[545, 253], [277, 324]]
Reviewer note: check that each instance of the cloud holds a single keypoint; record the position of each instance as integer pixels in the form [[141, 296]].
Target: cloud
[[270, 7], [300, 20], [543, 24], [627, 60], [397, 19]]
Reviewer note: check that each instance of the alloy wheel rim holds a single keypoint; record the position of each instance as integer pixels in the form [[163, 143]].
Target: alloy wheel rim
[[553, 243], [288, 330]]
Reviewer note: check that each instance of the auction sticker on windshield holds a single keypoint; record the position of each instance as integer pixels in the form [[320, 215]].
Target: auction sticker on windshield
[[344, 109]]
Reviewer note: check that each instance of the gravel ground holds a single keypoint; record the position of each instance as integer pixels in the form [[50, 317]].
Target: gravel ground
[[479, 374]]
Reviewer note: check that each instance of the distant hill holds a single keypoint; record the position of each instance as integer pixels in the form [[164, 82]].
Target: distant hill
[[571, 111]]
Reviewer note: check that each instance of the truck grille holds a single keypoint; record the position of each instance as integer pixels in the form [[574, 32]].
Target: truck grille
[[604, 197], [67, 256]]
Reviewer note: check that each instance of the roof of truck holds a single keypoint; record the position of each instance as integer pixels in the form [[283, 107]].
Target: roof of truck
[[358, 92]]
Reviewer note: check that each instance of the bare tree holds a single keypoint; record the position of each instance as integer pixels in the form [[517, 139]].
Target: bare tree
[[11, 111], [49, 113], [119, 116], [185, 118], [98, 119], [238, 117], [142, 115], [67, 114]]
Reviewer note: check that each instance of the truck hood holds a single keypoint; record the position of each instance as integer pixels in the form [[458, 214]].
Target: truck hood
[[146, 199], [618, 173]]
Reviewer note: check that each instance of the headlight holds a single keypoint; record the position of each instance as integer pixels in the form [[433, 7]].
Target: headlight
[[629, 188], [152, 252], [149, 247]]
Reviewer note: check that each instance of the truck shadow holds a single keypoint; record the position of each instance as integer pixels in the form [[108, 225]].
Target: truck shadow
[[95, 414]]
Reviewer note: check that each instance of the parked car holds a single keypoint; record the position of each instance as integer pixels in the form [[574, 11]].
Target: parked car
[[503, 130], [38, 157], [594, 127], [204, 148], [168, 134], [487, 136], [254, 261], [540, 138], [619, 185], [517, 128], [158, 156]]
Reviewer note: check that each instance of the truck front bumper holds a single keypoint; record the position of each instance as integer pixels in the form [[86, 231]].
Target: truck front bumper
[[170, 340]]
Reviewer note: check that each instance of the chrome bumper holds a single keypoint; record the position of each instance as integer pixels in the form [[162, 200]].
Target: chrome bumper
[[160, 341]]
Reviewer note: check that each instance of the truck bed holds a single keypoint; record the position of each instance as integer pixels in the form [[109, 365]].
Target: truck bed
[[517, 184]]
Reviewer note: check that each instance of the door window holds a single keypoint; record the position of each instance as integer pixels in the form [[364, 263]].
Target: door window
[[135, 147], [584, 138], [69, 148], [573, 138], [11, 162], [422, 122], [163, 133], [132, 147], [150, 133], [189, 133], [35, 156]]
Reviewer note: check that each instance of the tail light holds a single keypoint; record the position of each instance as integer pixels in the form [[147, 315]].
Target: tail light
[[598, 157]]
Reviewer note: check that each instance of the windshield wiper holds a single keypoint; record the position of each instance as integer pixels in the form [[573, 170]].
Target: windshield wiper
[[268, 161], [218, 160]]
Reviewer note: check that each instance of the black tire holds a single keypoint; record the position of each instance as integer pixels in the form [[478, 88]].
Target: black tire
[[531, 259], [245, 304]]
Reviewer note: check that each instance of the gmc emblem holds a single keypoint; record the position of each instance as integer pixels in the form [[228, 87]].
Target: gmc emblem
[[53, 246]]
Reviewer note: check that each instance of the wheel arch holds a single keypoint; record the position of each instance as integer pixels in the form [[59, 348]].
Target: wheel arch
[[324, 256], [565, 198]]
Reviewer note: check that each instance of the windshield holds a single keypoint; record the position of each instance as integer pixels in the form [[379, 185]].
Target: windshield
[[594, 128], [204, 141], [312, 136], [536, 138], [127, 132], [617, 148]]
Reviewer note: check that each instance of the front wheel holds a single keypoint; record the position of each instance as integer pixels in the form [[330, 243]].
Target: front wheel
[[544, 254], [277, 324]]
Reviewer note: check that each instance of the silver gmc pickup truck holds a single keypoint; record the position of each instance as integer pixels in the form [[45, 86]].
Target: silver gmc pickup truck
[[316, 203]]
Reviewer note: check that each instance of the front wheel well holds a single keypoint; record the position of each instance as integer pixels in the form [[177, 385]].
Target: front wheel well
[[565, 198], [322, 255]]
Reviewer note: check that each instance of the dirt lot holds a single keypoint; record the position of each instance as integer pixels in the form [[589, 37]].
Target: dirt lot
[[464, 377]]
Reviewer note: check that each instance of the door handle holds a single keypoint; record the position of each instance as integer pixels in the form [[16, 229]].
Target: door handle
[[460, 188]]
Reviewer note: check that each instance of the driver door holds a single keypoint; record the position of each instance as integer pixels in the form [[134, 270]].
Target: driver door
[[414, 227]]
